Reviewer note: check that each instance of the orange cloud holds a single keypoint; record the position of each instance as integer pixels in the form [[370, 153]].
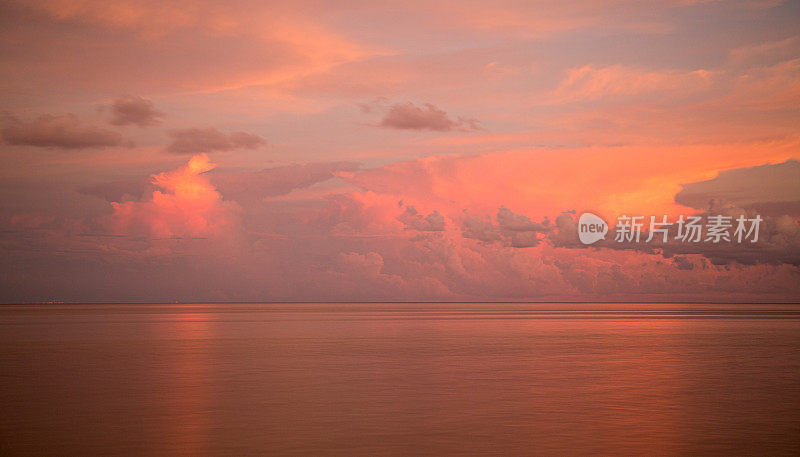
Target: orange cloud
[[200, 45], [187, 206], [544, 182]]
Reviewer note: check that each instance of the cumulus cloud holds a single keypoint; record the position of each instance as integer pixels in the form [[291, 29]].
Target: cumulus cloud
[[610, 188], [433, 222], [687, 262], [365, 276], [194, 141], [58, 132], [515, 230], [565, 232], [479, 228], [185, 205], [408, 116], [129, 110], [358, 214], [370, 263], [323, 262], [509, 221]]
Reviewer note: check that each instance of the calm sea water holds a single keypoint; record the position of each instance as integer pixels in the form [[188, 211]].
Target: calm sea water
[[399, 379]]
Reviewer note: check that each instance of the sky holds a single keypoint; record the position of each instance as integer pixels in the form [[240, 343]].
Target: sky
[[395, 151]]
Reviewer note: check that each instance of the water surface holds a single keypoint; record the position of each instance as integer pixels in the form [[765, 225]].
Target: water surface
[[399, 379]]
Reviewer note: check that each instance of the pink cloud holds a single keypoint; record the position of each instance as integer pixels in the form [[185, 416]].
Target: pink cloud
[[591, 83], [186, 205]]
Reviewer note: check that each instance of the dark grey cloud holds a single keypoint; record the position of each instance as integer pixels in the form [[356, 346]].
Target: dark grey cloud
[[565, 232], [193, 141], [272, 182], [64, 132], [770, 188], [130, 110], [479, 228], [118, 191], [408, 116], [507, 220], [687, 262], [433, 222], [515, 230]]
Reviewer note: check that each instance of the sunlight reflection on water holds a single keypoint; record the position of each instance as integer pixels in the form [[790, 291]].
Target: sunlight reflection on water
[[400, 379]]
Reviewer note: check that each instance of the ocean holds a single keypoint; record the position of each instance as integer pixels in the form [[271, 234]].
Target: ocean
[[399, 379]]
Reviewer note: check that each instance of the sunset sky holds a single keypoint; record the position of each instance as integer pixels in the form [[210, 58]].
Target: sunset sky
[[353, 150]]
